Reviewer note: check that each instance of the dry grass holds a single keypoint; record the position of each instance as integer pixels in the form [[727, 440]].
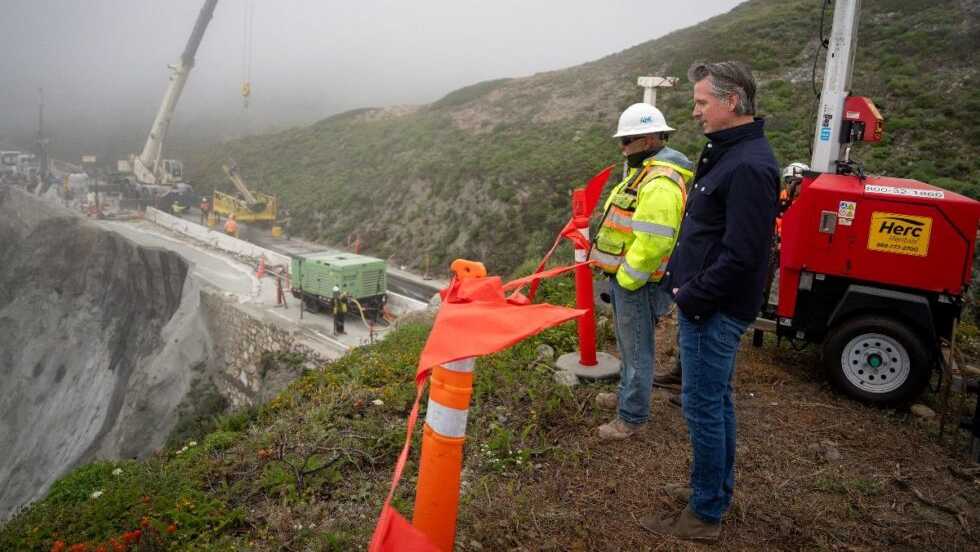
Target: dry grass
[[788, 496]]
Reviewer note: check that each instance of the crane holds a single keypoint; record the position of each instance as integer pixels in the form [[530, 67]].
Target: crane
[[251, 207], [149, 168]]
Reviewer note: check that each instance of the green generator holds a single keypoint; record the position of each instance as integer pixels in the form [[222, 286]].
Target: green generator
[[315, 275]]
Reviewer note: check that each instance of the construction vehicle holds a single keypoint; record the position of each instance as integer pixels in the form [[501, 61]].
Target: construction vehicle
[[250, 207], [359, 278], [8, 163], [28, 167], [152, 174], [875, 269]]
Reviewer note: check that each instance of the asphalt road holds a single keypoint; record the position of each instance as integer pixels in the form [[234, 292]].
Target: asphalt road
[[400, 281]]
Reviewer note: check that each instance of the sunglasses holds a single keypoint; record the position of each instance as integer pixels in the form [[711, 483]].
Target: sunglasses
[[627, 140]]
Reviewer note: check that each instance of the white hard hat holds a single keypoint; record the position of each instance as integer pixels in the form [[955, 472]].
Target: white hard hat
[[795, 170], [640, 119]]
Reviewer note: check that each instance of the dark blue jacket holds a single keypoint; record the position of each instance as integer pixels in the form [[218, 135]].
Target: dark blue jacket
[[722, 254]]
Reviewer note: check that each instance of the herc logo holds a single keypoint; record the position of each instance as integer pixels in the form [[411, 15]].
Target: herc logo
[[646, 119], [899, 233]]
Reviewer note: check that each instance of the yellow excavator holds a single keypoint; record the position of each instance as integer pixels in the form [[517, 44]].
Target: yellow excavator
[[247, 206]]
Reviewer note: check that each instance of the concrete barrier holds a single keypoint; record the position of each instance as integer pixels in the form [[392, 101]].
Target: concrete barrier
[[218, 240], [399, 304]]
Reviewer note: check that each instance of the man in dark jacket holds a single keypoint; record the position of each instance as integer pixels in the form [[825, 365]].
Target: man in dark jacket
[[717, 274]]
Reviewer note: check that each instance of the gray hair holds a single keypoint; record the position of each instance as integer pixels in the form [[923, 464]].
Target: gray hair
[[727, 78]]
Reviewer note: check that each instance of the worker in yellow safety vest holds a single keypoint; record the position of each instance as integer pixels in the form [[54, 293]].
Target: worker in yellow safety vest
[[204, 208], [638, 231], [231, 227], [339, 301]]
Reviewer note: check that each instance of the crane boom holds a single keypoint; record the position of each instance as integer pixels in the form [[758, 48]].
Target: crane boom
[[147, 166], [827, 142], [231, 169]]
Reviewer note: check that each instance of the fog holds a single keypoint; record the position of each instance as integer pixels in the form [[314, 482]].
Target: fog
[[103, 63]]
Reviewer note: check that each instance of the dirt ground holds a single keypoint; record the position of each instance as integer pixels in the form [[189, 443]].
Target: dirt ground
[[815, 471]]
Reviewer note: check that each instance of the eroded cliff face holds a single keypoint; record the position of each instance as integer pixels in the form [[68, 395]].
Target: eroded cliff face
[[97, 336]]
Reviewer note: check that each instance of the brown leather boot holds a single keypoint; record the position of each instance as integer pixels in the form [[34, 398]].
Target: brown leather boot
[[680, 492], [670, 380], [685, 526], [618, 430], [607, 401]]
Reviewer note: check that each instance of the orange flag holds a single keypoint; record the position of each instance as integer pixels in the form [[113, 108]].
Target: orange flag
[[476, 318]]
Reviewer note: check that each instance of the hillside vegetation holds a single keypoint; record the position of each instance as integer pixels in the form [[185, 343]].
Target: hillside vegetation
[[486, 171]]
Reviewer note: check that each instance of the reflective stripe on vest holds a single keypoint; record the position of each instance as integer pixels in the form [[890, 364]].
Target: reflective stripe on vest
[[662, 269], [634, 273], [620, 220], [607, 262], [653, 228]]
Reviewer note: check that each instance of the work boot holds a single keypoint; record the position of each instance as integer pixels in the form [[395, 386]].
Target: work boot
[[675, 400], [671, 379], [618, 430], [685, 526], [607, 401], [680, 492]]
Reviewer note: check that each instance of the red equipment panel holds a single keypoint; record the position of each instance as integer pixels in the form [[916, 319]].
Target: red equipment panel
[[861, 109], [887, 231]]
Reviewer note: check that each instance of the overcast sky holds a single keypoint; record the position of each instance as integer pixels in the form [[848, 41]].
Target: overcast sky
[[103, 63]]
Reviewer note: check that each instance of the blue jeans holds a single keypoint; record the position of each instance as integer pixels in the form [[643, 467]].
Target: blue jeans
[[708, 348], [635, 314]]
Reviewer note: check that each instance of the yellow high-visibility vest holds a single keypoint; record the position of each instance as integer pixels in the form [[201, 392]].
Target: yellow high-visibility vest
[[642, 218]]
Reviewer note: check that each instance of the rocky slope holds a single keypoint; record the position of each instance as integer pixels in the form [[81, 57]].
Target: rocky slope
[[96, 337]]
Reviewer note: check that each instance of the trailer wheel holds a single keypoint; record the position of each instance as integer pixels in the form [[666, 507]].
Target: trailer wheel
[[877, 360]]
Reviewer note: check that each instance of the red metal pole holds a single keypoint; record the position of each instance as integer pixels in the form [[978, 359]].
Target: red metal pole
[[583, 283], [585, 300]]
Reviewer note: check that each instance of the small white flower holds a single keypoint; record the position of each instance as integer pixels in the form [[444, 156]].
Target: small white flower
[[117, 471], [192, 444], [179, 452], [95, 495], [378, 402]]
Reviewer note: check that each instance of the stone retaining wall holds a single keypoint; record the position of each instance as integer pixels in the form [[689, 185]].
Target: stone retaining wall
[[239, 343]]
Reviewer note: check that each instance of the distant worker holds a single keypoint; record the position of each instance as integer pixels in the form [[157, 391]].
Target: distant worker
[[284, 221], [339, 310], [792, 178], [637, 234], [281, 275], [205, 209], [177, 208], [231, 227]]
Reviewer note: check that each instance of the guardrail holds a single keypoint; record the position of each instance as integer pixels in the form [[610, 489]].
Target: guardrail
[[216, 239]]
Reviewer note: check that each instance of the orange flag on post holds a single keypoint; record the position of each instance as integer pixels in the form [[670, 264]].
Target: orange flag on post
[[476, 319]]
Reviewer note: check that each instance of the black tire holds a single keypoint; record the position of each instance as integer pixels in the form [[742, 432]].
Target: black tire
[[877, 360]]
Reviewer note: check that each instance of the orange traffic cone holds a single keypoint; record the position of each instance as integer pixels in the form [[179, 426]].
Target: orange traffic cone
[[460, 334], [261, 271], [441, 463]]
